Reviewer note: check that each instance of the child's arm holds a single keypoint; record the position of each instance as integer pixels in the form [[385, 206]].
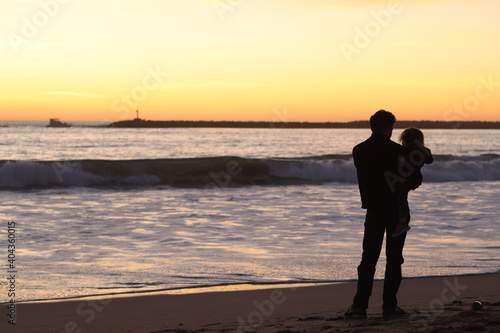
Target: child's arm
[[428, 156], [428, 159]]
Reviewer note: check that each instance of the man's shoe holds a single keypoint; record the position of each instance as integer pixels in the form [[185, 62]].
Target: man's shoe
[[395, 312], [355, 312]]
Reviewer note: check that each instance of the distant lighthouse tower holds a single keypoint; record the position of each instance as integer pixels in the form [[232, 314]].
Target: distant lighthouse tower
[[137, 119]]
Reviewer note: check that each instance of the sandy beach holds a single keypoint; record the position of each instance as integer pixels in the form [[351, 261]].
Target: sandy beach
[[435, 304]]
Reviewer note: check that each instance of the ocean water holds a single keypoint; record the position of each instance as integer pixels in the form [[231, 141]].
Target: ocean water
[[101, 211]]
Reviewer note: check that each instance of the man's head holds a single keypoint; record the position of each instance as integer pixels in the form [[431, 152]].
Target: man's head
[[382, 122]]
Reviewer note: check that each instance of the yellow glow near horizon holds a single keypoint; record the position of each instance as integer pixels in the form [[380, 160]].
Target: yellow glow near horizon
[[240, 60]]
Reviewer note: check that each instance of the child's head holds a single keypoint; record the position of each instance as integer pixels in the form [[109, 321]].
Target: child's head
[[411, 136]]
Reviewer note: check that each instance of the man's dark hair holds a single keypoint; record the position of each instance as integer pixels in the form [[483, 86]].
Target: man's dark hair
[[381, 121]]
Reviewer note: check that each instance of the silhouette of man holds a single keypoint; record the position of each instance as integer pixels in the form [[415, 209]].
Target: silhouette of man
[[375, 159]]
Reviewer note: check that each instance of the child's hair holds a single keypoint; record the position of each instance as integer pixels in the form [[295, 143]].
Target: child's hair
[[411, 136]]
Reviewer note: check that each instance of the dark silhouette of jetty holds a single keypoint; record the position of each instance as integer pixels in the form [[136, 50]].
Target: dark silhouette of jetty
[[141, 123]]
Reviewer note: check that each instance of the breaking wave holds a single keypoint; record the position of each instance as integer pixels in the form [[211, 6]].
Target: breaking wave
[[213, 172]]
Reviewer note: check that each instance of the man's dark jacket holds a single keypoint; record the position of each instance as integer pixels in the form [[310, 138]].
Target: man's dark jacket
[[376, 161]]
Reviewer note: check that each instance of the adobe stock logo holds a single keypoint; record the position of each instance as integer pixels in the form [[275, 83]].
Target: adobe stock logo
[[421, 318], [364, 36], [32, 26], [130, 101], [484, 90], [222, 7], [407, 168], [263, 310]]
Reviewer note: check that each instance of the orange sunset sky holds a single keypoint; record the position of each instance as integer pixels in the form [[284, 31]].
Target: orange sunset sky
[[320, 60]]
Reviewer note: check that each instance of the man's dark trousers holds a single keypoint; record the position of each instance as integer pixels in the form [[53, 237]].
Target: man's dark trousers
[[378, 223]]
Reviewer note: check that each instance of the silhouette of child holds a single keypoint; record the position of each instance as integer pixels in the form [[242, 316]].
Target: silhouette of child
[[415, 155]]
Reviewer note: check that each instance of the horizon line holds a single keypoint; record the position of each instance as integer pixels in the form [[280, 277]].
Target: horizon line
[[262, 121]]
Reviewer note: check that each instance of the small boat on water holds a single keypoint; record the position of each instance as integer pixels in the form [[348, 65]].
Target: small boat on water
[[55, 122]]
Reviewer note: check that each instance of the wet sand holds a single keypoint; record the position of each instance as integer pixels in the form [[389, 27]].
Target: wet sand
[[434, 304]]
